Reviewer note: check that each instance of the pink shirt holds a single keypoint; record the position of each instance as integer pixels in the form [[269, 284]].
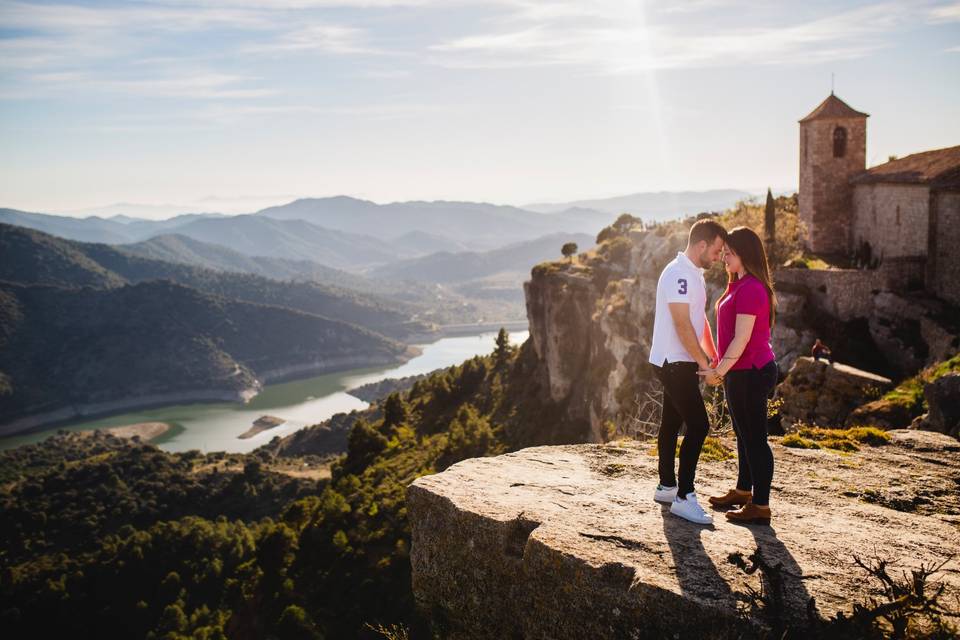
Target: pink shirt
[[747, 296]]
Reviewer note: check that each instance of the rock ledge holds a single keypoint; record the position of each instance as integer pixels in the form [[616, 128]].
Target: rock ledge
[[566, 542]]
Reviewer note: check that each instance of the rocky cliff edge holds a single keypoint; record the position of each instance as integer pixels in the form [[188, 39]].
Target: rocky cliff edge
[[566, 542]]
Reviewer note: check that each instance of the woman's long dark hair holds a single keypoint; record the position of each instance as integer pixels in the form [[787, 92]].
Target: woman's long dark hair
[[746, 244]]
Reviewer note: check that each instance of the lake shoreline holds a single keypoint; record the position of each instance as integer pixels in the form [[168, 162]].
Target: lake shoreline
[[50, 420], [455, 330], [262, 424], [146, 431]]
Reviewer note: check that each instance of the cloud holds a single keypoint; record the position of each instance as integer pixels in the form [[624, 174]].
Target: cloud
[[68, 18], [631, 41], [327, 38], [153, 48], [200, 85], [946, 13]]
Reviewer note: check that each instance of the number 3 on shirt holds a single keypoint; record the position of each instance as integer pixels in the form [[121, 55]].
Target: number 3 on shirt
[[683, 286]]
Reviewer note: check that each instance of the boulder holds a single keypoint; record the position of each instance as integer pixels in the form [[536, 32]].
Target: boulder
[[913, 331], [565, 542], [882, 413], [821, 393], [943, 402]]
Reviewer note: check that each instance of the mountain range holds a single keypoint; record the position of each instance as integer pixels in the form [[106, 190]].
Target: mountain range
[[477, 225], [357, 235], [32, 257], [662, 205], [516, 258], [88, 323]]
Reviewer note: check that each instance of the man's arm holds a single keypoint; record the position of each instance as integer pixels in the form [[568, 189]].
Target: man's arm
[[706, 341], [680, 312]]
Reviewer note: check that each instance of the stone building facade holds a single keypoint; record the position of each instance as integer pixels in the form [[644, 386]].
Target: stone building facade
[[833, 149], [902, 216]]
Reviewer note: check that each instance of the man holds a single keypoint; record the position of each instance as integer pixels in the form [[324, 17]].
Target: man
[[821, 350], [682, 342]]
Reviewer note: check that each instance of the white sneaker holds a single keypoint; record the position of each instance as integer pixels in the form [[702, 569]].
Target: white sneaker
[[690, 509], [665, 494]]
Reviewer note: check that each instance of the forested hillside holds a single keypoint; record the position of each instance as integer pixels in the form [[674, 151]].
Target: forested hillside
[[61, 347], [116, 539], [32, 257]]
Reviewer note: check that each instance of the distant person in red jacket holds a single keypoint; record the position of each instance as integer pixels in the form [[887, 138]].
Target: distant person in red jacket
[[820, 349]]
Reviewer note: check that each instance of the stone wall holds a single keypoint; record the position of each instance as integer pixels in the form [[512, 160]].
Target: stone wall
[[893, 218], [826, 195], [944, 278], [844, 294]]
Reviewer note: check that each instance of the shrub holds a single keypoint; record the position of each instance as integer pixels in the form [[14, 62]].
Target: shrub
[[713, 450], [846, 440], [797, 441]]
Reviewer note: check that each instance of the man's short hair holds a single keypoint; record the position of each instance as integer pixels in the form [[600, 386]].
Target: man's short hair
[[706, 229]]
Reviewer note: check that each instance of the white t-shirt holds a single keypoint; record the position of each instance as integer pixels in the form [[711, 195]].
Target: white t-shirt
[[680, 281]]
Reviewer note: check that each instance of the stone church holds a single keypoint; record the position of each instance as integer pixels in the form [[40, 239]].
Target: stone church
[[901, 217]]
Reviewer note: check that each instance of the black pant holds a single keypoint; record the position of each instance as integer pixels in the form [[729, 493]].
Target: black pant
[[682, 403], [747, 391]]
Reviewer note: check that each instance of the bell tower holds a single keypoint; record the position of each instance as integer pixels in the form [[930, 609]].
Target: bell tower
[[833, 149]]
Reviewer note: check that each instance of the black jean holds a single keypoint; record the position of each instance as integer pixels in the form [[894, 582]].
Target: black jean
[[682, 404], [747, 391]]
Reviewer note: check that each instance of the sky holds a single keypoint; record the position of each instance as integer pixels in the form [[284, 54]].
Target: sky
[[232, 105]]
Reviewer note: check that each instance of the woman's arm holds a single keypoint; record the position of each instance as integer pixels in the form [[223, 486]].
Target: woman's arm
[[741, 337]]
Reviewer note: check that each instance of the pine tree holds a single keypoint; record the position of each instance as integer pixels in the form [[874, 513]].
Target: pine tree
[[770, 222], [395, 411], [501, 354]]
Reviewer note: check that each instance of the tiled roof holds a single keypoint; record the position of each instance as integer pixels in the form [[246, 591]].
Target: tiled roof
[[834, 107], [939, 168]]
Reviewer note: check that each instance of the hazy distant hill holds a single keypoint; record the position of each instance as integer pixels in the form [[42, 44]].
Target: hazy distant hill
[[661, 205], [519, 257], [32, 257], [249, 234], [86, 229], [418, 242], [186, 250], [95, 229], [476, 225], [60, 347], [296, 239], [348, 233]]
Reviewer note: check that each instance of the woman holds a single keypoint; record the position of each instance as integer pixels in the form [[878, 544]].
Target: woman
[[748, 369]]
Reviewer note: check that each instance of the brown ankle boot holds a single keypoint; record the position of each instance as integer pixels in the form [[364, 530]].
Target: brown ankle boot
[[731, 498], [750, 514]]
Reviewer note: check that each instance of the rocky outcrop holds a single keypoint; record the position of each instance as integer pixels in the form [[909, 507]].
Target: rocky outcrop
[[590, 327], [867, 323], [913, 331], [565, 542], [943, 402], [883, 413], [591, 322], [825, 394]]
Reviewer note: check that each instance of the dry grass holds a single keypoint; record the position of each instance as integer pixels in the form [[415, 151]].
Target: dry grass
[[847, 440]]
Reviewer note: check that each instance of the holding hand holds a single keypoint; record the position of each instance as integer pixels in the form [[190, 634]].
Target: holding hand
[[712, 376]]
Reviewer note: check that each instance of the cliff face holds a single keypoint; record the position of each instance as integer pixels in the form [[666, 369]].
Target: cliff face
[[591, 322], [566, 542]]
